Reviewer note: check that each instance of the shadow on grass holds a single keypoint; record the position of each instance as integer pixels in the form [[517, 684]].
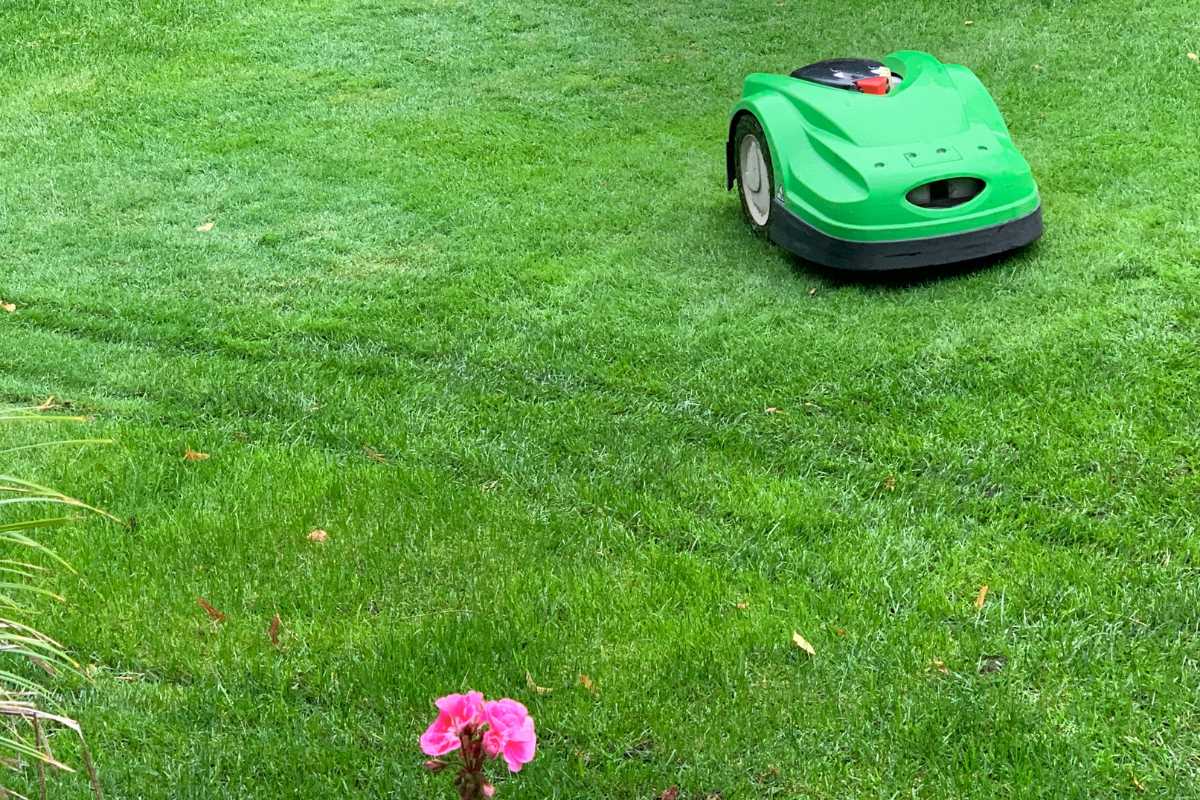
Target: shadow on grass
[[913, 277]]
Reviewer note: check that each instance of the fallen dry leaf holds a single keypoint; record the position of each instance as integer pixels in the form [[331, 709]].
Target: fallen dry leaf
[[771, 410], [213, 613], [533, 687], [889, 483], [273, 630], [742, 605], [587, 683], [840, 631], [9, 307], [969, 22], [47, 404], [767, 776], [205, 227], [374, 455], [981, 598], [939, 665], [802, 643], [129, 677], [1141, 787], [670, 794], [317, 535], [812, 292], [192, 455], [488, 487], [1194, 57]]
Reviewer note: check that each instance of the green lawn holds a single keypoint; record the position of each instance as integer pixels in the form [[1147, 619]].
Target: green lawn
[[489, 241]]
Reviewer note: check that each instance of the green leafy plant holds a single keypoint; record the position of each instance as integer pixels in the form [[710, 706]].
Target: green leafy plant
[[24, 718]]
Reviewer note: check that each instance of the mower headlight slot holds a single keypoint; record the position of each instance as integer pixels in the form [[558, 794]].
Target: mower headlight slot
[[946, 193]]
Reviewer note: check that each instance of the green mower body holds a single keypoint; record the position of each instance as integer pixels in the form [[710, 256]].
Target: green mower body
[[880, 165]]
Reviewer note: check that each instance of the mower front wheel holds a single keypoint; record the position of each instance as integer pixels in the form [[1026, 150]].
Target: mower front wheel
[[755, 174]]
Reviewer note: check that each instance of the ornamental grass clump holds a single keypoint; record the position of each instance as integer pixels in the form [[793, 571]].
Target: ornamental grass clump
[[25, 564]]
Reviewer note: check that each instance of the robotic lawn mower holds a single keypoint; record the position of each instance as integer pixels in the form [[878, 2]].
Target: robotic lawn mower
[[863, 165]]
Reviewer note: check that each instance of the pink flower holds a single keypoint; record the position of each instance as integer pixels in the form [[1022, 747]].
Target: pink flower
[[456, 712], [510, 732]]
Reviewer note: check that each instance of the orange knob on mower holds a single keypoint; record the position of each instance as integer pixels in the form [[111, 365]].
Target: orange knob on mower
[[877, 85]]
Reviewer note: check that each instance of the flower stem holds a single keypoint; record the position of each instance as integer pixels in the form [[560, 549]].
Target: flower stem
[[469, 781]]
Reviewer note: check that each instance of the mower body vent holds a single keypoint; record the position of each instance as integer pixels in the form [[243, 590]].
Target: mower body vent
[[946, 193]]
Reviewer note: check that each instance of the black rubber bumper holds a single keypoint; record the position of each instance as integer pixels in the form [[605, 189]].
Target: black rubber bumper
[[794, 234]]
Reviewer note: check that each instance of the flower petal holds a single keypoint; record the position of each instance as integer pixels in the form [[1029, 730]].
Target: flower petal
[[439, 739], [493, 742]]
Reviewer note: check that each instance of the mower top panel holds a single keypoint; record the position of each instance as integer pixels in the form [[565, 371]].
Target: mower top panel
[[841, 73], [928, 155]]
